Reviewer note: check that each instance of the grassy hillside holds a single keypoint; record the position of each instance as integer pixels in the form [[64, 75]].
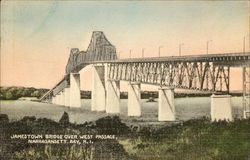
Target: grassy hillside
[[191, 140], [99, 150]]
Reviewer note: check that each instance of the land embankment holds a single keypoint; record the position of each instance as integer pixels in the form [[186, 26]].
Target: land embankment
[[190, 140]]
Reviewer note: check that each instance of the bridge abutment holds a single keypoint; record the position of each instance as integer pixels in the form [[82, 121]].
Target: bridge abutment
[[134, 99], [113, 96], [221, 108], [166, 110], [74, 91]]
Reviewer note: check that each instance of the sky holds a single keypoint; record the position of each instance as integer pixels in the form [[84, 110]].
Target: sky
[[36, 36]]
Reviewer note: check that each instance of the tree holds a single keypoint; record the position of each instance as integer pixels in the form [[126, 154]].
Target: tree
[[35, 94], [9, 95], [64, 119]]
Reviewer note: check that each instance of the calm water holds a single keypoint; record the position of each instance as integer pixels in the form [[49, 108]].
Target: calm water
[[186, 108]]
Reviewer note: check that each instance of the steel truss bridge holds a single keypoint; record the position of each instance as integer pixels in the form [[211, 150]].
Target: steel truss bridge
[[204, 73], [208, 73]]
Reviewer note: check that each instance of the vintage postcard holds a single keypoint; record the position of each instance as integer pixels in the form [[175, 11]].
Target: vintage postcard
[[125, 80]]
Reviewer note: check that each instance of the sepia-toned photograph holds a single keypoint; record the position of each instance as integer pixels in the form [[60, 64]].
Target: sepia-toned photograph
[[125, 80]]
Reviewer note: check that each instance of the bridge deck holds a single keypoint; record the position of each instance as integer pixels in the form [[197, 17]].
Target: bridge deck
[[230, 58]]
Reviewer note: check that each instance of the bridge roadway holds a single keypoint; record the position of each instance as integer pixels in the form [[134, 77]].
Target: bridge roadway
[[231, 59], [194, 72]]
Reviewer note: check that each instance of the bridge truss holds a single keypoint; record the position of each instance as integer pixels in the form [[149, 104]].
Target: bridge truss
[[203, 76]]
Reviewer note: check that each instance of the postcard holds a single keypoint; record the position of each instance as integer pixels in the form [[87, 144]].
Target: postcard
[[125, 80]]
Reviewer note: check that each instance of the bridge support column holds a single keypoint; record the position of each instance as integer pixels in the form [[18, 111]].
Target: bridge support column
[[98, 93], [62, 96], [221, 108], [59, 98], [75, 94], [113, 96], [166, 111], [134, 99], [53, 100], [56, 99], [67, 97]]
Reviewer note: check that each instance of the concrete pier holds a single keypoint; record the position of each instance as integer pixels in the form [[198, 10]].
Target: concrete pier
[[246, 114], [113, 96], [53, 100], [62, 97], [166, 111], [221, 108], [57, 99], [134, 99], [67, 97], [98, 94], [75, 94]]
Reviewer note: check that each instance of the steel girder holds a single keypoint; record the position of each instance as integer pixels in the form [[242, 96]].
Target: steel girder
[[203, 76]]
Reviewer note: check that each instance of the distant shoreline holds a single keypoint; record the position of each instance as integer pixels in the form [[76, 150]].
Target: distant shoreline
[[14, 93]]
